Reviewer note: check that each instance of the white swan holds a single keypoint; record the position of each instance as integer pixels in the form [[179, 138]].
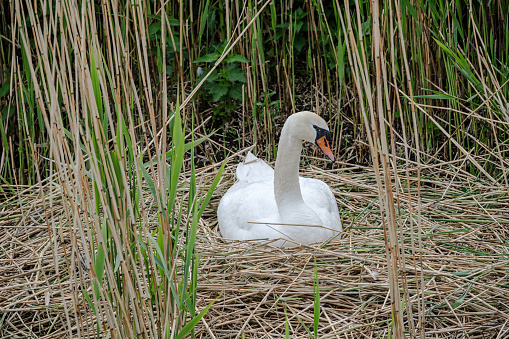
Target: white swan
[[268, 204]]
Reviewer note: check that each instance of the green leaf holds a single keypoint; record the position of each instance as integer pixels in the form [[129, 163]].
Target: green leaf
[[236, 58], [435, 96], [460, 300], [212, 57], [8, 111], [4, 89], [159, 263], [154, 28], [118, 261], [212, 77], [341, 61], [460, 63], [298, 26], [94, 75], [299, 14], [3, 135], [149, 180], [203, 22], [99, 264], [411, 9], [299, 43], [89, 300], [178, 140], [316, 306], [173, 21], [235, 92], [259, 37], [235, 74], [192, 323], [303, 325], [173, 42], [99, 269], [218, 91]]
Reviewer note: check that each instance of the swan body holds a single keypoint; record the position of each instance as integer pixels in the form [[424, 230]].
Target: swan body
[[278, 204]]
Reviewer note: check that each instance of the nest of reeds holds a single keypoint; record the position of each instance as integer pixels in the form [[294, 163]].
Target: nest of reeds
[[452, 277], [453, 273]]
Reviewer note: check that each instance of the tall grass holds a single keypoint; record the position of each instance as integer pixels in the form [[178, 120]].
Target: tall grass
[[135, 279], [297, 57], [90, 104]]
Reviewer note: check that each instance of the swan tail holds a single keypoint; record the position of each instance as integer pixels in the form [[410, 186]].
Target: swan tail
[[253, 169]]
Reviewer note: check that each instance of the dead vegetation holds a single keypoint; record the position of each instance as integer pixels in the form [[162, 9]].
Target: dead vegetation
[[111, 170], [453, 277]]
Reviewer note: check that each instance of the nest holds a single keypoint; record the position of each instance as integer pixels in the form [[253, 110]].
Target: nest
[[452, 273]]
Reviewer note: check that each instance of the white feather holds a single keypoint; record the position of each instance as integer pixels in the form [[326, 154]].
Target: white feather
[[250, 211]]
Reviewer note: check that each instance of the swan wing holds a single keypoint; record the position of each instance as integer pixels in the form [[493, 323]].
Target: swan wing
[[318, 195], [248, 210], [245, 210]]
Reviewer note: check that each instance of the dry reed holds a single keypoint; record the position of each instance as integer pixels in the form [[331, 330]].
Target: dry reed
[[459, 272]]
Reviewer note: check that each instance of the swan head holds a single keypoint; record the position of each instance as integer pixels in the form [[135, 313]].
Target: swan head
[[309, 126]]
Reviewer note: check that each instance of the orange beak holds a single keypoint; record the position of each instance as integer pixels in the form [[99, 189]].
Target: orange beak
[[324, 145]]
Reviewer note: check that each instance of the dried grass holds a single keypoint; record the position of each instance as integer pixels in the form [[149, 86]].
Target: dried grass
[[260, 289]]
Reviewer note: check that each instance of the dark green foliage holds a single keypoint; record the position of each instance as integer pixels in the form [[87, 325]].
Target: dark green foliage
[[223, 87], [457, 51]]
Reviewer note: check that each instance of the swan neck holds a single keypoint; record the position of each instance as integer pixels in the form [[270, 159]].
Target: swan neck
[[286, 177]]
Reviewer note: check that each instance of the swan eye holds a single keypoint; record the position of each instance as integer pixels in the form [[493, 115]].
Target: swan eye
[[320, 133]]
